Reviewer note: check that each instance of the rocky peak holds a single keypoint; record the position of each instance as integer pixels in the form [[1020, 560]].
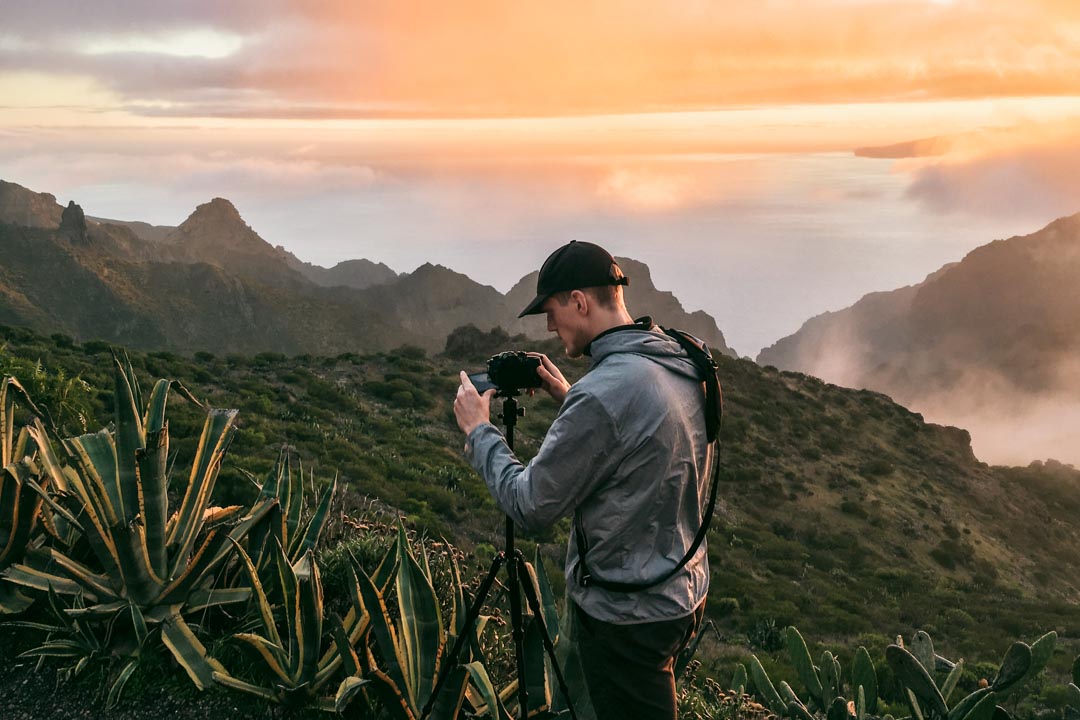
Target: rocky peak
[[219, 214], [214, 228], [73, 224], [20, 206]]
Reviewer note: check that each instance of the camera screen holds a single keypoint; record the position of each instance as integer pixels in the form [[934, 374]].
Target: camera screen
[[482, 381]]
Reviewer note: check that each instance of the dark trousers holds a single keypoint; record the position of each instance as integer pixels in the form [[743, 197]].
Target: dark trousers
[[630, 668]]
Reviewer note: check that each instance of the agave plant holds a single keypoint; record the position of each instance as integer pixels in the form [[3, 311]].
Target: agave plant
[[20, 500], [135, 565], [281, 528], [413, 649], [915, 669], [292, 652]]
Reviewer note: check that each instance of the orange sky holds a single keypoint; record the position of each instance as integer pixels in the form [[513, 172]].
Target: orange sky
[[475, 132], [781, 72]]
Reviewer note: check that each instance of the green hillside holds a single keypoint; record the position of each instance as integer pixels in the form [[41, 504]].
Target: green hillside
[[842, 512]]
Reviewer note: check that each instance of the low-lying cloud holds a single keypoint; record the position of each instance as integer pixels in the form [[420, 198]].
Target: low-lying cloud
[[1031, 172]]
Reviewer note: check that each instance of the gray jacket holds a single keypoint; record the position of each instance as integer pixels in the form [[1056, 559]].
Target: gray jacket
[[628, 452]]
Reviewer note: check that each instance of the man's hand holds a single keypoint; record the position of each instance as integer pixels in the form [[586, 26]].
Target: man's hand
[[553, 381], [470, 407]]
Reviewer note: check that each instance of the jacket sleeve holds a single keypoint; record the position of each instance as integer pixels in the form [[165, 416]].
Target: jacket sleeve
[[579, 452]]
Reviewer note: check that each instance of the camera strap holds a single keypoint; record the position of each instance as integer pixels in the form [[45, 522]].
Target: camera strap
[[714, 405]]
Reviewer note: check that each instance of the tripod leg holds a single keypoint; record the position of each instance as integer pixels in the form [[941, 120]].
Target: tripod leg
[[470, 623], [534, 605]]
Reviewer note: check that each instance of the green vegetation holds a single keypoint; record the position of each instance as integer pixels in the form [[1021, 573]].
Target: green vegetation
[[843, 512]]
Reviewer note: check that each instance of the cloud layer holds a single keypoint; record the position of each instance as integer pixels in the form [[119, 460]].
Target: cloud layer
[[487, 57]]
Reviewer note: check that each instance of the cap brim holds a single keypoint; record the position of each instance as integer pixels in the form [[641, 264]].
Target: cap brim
[[533, 308]]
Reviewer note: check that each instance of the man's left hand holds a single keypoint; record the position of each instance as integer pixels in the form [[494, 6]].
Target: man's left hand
[[470, 407]]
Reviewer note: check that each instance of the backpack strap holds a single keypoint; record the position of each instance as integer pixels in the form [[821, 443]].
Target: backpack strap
[[702, 358]]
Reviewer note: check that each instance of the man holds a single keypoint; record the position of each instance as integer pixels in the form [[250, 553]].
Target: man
[[627, 455]]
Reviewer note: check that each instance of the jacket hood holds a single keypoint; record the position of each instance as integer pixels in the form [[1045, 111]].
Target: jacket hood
[[651, 343]]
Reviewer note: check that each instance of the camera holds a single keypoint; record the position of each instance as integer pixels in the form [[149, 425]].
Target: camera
[[508, 372]]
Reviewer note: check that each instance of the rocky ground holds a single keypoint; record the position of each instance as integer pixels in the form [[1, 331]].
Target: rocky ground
[[158, 692]]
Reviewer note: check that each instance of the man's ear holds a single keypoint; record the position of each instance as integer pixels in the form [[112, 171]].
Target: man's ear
[[581, 301]]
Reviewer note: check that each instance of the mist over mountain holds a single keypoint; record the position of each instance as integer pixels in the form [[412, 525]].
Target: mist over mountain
[[213, 283], [989, 343]]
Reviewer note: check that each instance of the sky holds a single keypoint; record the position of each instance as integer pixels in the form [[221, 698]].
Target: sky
[[712, 140]]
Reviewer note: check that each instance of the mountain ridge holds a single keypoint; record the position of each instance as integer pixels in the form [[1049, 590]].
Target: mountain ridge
[[356, 305], [994, 334]]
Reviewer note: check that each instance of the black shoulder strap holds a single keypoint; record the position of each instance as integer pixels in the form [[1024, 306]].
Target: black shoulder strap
[[701, 356], [714, 406]]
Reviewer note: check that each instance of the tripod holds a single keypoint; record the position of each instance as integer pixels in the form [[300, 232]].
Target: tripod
[[517, 583]]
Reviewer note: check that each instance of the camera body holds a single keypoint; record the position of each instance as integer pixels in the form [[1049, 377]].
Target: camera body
[[508, 372]]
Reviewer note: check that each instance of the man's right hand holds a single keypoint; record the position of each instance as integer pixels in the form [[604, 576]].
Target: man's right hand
[[551, 378]]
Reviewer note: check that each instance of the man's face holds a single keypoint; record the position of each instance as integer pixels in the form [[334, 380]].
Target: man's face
[[566, 322]]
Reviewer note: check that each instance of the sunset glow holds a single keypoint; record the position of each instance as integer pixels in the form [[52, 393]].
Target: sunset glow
[[475, 134]]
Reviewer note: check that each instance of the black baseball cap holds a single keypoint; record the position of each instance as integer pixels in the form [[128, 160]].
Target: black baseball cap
[[574, 266]]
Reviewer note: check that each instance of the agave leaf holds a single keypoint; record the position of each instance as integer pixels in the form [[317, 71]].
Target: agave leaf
[[23, 503], [216, 436], [345, 652], [547, 598], [348, 689], [47, 455], [422, 635], [272, 654], [230, 682], [201, 599], [139, 623], [117, 686], [11, 390], [487, 691], [266, 613], [311, 614], [214, 549], [153, 496], [95, 456], [188, 651], [55, 507], [56, 648], [385, 637], [292, 501], [316, 524], [394, 700], [140, 581], [29, 577], [100, 611], [128, 438]]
